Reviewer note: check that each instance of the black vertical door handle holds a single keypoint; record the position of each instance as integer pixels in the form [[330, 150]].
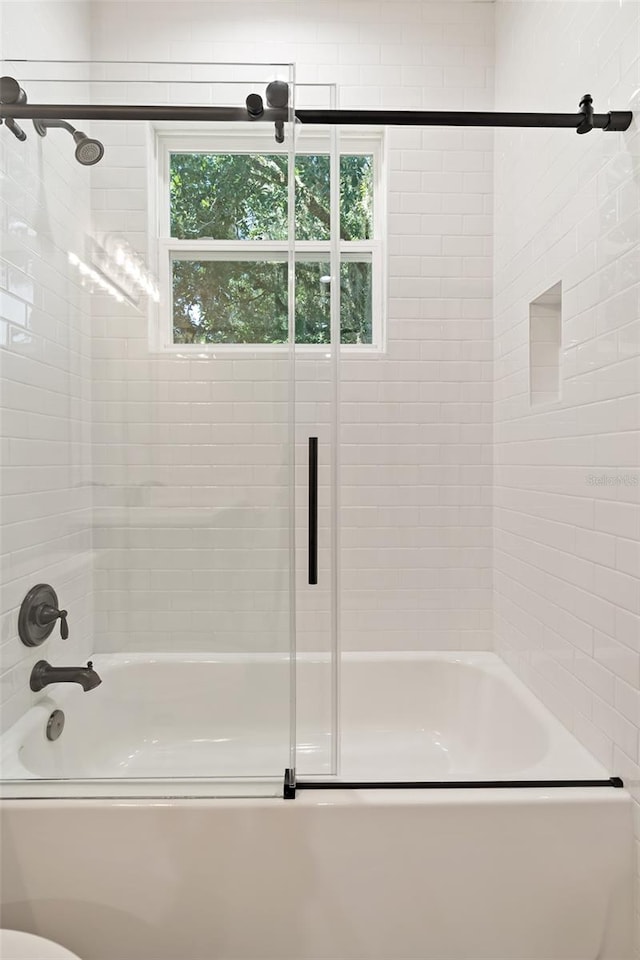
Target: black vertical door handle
[[313, 510]]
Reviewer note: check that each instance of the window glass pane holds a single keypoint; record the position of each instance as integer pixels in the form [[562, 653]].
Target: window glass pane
[[356, 302], [229, 301], [356, 197], [228, 196], [313, 206], [313, 210], [237, 196], [313, 302]]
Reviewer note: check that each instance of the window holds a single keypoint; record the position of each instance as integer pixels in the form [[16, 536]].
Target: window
[[223, 250]]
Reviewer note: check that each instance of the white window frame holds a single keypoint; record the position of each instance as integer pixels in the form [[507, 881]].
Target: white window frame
[[164, 248]]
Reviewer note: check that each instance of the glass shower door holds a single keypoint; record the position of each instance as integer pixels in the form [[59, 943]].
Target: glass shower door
[[316, 371], [176, 253]]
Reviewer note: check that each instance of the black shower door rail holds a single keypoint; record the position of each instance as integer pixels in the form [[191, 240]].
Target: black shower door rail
[[583, 121]]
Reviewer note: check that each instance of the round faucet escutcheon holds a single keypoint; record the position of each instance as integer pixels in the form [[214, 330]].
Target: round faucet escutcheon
[[38, 615]]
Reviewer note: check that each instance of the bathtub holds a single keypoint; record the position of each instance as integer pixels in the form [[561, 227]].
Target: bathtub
[[137, 864], [429, 716]]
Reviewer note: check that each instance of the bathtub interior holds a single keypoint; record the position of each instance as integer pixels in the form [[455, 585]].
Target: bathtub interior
[[212, 723]]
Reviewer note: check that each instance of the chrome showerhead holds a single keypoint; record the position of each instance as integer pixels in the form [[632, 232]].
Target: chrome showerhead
[[88, 151]]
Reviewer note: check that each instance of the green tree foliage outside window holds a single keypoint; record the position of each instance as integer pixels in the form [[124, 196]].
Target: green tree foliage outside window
[[244, 197]]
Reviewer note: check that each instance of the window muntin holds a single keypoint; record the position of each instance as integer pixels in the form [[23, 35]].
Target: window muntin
[[223, 246]]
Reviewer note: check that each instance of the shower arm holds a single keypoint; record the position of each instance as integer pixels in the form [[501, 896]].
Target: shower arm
[[582, 122], [57, 124]]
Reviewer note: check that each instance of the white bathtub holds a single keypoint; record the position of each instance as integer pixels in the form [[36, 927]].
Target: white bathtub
[[432, 716], [456, 874]]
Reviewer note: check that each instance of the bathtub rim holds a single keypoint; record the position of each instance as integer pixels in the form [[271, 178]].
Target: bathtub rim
[[350, 798]]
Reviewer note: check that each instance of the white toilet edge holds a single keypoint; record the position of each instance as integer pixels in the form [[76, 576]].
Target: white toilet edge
[[18, 945]]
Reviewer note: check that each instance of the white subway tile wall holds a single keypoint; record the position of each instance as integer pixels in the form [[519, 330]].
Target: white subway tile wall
[[567, 479], [45, 364], [415, 421]]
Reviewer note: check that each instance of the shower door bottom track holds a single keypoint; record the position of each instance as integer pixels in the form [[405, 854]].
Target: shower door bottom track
[[292, 785]]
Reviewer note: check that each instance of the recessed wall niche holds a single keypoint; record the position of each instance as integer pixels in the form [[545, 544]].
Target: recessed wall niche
[[545, 341]]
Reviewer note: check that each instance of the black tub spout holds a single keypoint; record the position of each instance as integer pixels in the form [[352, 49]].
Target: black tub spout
[[43, 674]]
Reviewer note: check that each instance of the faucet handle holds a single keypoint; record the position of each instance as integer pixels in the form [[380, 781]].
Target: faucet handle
[[46, 614]]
